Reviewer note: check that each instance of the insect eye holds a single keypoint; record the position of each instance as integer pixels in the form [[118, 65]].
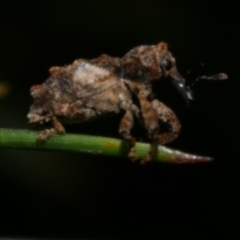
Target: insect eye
[[166, 64]]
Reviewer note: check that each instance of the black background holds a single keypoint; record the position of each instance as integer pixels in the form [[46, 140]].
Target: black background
[[47, 194]]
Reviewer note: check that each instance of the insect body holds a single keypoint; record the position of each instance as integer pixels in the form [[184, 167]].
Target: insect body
[[87, 89]]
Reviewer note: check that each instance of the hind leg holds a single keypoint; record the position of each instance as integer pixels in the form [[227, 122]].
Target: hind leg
[[57, 129]]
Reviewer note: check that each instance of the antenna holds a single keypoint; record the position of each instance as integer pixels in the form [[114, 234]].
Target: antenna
[[219, 76]]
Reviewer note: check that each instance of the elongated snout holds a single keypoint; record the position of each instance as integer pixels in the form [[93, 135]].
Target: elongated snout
[[179, 82]]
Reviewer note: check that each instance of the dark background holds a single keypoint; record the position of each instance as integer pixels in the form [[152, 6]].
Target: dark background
[[47, 194]]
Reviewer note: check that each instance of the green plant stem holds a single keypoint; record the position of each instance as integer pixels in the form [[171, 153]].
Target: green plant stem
[[24, 139]]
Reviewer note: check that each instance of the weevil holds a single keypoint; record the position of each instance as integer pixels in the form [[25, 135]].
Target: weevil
[[88, 89]]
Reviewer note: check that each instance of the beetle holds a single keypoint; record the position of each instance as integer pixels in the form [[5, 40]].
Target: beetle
[[88, 89]]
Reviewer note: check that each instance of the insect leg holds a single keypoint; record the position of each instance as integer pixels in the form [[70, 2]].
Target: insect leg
[[150, 120], [125, 127], [57, 129], [166, 115]]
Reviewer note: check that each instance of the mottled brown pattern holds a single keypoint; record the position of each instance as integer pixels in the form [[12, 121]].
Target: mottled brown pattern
[[87, 89], [141, 64], [166, 115]]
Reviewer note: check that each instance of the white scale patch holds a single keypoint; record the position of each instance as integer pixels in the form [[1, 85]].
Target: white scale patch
[[88, 73]]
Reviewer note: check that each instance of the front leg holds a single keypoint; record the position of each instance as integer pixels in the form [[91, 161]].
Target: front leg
[[150, 120], [57, 129], [166, 115], [125, 127]]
